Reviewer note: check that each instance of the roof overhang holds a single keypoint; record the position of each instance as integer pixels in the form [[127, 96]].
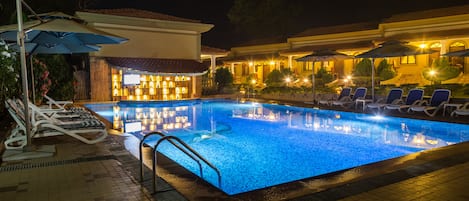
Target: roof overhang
[[154, 66]]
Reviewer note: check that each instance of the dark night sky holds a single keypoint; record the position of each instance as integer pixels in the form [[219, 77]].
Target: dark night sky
[[329, 12]]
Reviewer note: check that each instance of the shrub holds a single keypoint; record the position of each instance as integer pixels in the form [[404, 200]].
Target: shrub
[[443, 69], [385, 71], [363, 68], [9, 74]]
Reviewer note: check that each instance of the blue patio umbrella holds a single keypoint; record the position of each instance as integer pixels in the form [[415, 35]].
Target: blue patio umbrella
[[53, 31]]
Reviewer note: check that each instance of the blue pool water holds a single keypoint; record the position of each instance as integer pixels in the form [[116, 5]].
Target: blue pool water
[[261, 145]]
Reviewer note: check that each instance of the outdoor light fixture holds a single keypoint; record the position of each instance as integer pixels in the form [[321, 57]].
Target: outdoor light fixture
[[305, 80], [250, 63], [253, 81], [423, 46], [288, 79], [272, 62], [432, 73]]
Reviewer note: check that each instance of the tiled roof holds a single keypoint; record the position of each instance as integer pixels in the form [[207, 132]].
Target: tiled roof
[[131, 12], [212, 50], [153, 65], [311, 48], [432, 35], [257, 57], [338, 29], [440, 12]]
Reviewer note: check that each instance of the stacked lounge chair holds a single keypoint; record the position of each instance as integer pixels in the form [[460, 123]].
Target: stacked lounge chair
[[44, 125]]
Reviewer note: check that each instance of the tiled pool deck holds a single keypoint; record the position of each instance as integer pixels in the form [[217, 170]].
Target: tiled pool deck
[[107, 171]]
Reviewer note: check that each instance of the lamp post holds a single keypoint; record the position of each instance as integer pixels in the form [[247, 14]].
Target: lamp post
[[288, 80], [432, 74], [253, 82]]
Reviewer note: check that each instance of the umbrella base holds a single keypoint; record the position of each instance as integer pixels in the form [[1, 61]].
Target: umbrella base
[[42, 151]]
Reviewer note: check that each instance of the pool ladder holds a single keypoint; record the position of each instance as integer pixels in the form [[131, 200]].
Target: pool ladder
[[176, 142]]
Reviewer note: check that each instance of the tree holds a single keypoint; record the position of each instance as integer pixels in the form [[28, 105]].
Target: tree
[[274, 78], [223, 78], [363, 68], [323, 76], [266, 18], [385, 71]]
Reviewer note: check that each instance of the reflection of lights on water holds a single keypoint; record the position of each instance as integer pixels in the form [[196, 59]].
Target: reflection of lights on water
[[316, 125], [378, 117], [337, 116], [347, 129], [418, 139], [432, 142]]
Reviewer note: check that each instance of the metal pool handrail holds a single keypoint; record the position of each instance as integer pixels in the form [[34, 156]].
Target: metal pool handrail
[[142, 143], [186, 146]]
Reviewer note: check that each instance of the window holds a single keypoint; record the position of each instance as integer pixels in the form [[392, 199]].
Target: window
[[408, 59], [457, 61], [307, 66]]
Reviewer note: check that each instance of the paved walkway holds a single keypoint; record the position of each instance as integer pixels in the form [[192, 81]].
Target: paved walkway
[[77, 171]]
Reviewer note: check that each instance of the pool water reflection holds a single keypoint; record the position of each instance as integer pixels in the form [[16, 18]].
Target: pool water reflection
[[260, 145]]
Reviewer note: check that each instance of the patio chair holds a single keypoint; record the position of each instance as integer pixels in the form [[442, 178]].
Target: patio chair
[[393, 97], [413, 98], [463, 110], [345, 92], [346, 102], [438, 99], [43, 128]]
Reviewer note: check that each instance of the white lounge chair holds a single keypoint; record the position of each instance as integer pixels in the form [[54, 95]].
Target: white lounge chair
[[413, 98], [463, 110], [47, 127], [438, 99]]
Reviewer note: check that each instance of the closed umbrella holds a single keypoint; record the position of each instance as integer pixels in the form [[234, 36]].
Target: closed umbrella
[[392, 48], [322, 55]]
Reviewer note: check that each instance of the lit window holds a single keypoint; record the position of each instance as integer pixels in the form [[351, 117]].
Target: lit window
[[408, 59]]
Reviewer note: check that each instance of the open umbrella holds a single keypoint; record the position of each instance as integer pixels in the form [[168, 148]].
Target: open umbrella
[[461, 53], [57, 30], [322, 55], [392, 48], [52, 31]]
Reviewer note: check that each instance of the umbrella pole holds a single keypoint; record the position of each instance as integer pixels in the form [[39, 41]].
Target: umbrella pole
[[313, 83], [373, 79], [24, 74], [33, 88]]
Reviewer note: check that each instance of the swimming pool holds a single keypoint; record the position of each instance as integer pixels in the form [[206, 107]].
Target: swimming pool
[[261, 145]]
